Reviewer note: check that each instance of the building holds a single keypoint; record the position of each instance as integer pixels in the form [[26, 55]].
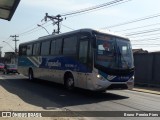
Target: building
[[139, 51], [10, 57]]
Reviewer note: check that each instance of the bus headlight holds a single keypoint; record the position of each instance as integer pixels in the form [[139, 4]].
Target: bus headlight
[[99, 77], [132, 78]]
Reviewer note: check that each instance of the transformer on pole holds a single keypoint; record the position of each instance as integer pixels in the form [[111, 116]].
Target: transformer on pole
[[56, 21]]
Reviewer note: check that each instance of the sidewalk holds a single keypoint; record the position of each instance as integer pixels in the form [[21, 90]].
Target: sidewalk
[[151, 90]]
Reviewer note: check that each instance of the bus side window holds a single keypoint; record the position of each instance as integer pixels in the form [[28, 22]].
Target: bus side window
[[36, 49], [45, 48], [29, 49], [53, 47], [70, 46], [56, 47]]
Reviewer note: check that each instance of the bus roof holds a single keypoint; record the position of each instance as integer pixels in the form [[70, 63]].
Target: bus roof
[[76, 31], [111, 33]]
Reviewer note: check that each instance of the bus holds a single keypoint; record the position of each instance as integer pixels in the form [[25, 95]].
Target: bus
[[85, 58]]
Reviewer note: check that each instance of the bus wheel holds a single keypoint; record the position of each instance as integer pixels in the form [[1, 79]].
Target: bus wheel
[[69, 83], [30, 75]]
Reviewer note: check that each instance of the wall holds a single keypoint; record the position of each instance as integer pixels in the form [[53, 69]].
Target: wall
[[147, 69]]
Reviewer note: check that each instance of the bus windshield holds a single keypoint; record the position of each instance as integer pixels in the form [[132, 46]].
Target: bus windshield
[[113, 53], [124, 54]]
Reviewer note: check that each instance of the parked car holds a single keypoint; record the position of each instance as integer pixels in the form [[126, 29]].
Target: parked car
[[10, 68], [1, 66]]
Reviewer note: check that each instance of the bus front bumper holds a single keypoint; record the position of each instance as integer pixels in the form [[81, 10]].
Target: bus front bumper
[[106, 85]]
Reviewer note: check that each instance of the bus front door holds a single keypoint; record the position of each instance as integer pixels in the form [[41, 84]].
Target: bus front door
[[83, 58]]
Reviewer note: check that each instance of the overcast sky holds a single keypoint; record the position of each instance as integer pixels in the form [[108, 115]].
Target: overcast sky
[[30, 13]]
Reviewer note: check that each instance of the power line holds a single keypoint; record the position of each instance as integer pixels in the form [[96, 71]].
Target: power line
[[36, 29], [75, 12], [92, 8], [101, 6], [142, 32], [32, 29], [28, 27], [97, 9], [28, 31], [133, 21], [4, 45], [138, 27], [7, 39], [137, 36], [157, 46], [146, 39], [67, 27], [146, 44]]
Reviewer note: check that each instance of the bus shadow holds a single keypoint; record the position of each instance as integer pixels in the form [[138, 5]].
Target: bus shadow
[[49, 95]]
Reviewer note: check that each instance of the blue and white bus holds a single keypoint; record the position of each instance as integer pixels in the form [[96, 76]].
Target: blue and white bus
[[85, 58]]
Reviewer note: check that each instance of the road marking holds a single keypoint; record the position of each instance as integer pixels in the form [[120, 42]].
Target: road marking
[[1, 78], [146, 91], [12, 76]]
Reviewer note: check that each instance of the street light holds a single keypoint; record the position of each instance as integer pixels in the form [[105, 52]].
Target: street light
[[9, 45], [43, 28]]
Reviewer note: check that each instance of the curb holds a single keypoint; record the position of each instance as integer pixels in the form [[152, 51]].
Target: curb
[[146, 91]]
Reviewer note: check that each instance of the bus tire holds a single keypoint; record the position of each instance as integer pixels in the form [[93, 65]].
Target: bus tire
[[69, 82], [30, 74]]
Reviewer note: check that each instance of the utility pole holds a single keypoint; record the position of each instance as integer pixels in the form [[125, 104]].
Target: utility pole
[[1, 51], [59, 19], [15, 39], [56, 21]]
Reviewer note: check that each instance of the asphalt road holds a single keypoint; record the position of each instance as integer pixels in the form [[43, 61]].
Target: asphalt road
[[48, 96]]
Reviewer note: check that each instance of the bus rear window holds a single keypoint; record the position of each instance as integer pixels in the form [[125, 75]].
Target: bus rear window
[[22, 50]]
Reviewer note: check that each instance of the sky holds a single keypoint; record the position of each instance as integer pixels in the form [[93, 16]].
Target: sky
[[143, 34]]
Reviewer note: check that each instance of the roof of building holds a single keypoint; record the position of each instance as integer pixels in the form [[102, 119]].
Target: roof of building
[[139, 51], [7, 8]]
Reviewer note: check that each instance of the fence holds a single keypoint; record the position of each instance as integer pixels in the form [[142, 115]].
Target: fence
[[147, 69]]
